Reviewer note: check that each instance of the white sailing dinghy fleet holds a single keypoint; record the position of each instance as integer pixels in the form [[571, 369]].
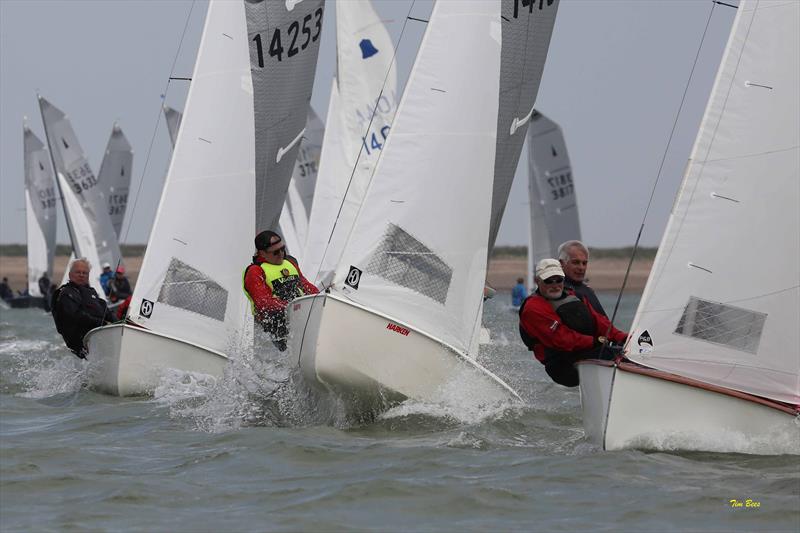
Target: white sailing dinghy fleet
[[400, 317], [83, 196], [713, 352], [238, 139]]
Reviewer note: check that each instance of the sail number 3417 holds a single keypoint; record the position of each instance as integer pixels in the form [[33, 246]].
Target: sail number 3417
[[310, 29]]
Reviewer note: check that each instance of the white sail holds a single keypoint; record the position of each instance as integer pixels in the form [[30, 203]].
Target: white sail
[[115, 176], [84, 200], [189, 285], [300, 195], [173, 118], [527, 29], [418, 249], [722, 304], [551, 191], [40, 210], [366, 80]]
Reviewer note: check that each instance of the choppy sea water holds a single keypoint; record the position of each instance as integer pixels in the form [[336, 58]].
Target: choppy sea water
[[257, 451]]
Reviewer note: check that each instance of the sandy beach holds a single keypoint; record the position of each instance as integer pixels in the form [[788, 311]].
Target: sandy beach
[[604, 274]]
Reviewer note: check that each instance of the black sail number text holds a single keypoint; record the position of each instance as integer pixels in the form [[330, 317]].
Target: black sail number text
[[292, 40]]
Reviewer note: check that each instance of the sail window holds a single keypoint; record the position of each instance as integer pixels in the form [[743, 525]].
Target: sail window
[[723, 324], [402, 259], [187, 288]]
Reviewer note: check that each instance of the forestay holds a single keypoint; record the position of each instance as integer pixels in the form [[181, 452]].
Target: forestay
[[418, 248], [527, 28], [300, 195], [84, 198], [551, 191], [189, 286], [115, 176], [40, 210], [284, 42], [722, 304], [362, 104]]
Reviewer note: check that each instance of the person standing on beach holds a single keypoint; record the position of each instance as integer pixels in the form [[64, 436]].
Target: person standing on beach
[[574, 259], [77, 308]]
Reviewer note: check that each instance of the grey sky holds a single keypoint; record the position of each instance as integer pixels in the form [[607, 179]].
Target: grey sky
[[614, 78]]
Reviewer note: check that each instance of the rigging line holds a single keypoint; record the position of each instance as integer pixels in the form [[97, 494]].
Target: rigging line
[[158, 122], [361, 147], [660, 169]]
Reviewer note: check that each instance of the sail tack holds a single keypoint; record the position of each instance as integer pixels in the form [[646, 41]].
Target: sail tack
[[722, 304]]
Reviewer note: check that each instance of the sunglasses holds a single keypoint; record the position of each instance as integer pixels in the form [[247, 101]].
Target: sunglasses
[[553, 279]]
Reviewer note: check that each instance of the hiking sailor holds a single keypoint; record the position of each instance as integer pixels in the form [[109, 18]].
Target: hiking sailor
[[271, 282], [77, 308], [561, 329]]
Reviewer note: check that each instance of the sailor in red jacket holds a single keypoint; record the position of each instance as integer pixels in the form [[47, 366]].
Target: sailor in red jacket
[[560, 328], [271, 281]]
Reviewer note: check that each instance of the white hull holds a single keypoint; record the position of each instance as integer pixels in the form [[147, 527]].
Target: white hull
[[629, 406], [372, 361], [131, 361]]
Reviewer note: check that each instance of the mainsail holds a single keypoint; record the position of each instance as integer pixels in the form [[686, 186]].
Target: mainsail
[[418, 248], [362, 105], [190, 285], [85, 205], [300, 195], [722, 304], [40, 210], [284, 43], [527, 29], [115, 176], [173, 118], [551, 191]]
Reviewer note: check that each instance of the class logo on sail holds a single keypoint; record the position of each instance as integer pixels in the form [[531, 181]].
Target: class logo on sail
[[367, 48], [645, 342]]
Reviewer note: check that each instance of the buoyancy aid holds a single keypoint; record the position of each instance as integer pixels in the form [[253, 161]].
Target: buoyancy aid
[[571, 310], [283, 280]]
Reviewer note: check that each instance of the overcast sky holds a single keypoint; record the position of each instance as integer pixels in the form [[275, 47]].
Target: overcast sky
[[614, 78]]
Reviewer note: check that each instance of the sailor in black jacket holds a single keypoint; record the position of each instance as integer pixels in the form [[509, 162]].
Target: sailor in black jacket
[[574, 258], [77, 308]]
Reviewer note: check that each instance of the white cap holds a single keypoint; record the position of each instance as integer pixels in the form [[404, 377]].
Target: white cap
[[547, 268], [106, 265]]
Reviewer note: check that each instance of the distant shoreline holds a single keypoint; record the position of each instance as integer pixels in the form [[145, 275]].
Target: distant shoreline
[[605, 273]]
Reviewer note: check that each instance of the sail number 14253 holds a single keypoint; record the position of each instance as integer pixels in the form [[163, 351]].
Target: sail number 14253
[[310, 28]]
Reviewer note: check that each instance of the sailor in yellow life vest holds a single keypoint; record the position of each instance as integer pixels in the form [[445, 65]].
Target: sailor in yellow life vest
[[271, 281]]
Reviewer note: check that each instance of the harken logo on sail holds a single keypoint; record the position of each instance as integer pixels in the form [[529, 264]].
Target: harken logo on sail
[[645, 342], [146, 309], [353, 277]]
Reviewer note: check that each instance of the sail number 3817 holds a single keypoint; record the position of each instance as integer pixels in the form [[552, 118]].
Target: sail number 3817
[[310, 29]]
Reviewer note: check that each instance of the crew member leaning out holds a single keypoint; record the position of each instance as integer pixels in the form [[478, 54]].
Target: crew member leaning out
[[271, 282], [561, 328]]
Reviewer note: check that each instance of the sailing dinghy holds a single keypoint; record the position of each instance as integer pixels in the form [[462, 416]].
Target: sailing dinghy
[[115, 176], [551, 191], [712, 360], [40, 217], [238, 140], [402, 312]]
